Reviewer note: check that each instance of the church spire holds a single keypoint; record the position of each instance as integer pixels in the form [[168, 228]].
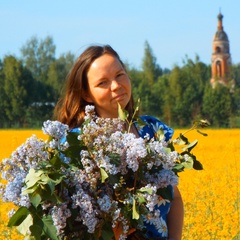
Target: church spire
[[220, 26]]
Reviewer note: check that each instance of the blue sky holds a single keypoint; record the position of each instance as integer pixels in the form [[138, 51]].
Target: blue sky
[[173, 28]]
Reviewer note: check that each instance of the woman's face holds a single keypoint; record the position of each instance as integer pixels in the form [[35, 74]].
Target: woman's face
[[108, 84]]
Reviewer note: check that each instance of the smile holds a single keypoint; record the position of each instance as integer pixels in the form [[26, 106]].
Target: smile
[[120, 97]]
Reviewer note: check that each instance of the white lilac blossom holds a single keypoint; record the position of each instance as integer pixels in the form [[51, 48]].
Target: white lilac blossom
[[59, 215], [87, 211], [26, 156], [55, 129], [13, 190], [15, 169], [104, 203], [152, 198], [24, 200], [125, 228], [135, 150], [162, 179], [163, 156], [89, 112]]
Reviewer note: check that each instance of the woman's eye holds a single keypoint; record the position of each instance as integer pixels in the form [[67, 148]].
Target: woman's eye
[[120, 74], [102, 83]]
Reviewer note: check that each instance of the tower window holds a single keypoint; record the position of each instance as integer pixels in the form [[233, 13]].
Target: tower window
[[219, 69], [218, 50]]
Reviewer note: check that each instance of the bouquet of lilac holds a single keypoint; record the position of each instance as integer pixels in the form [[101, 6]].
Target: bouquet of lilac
[[83, 185]]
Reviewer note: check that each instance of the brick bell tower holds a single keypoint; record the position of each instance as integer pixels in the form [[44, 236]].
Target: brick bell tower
[[221, 58]]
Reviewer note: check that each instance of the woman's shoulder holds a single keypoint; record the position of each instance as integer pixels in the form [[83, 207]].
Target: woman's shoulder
[[152, 126], [76, 129]]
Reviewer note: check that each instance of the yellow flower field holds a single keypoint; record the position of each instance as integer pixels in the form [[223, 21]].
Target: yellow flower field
[[211, 197]]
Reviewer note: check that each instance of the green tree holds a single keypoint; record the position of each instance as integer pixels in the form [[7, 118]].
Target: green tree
[[186, 87], [235, 74], [3, 116], [37, 56], [57, 73], [149, 75], [177, 87], [151, 70], [161, 100], [17, 89], [217, 105]]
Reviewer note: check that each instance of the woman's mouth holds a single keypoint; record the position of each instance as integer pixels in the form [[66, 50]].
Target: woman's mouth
[[119, 97]]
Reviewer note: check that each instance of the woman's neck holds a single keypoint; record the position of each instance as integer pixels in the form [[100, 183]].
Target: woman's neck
[[131, 129]]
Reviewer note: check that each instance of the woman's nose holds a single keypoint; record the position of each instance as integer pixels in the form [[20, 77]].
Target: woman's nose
[[114, 85]]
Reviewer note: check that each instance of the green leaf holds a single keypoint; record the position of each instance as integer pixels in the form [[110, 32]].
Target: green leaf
[[51, 185], [171, 145], [74, 149], [56, 161], [182, 140], [115, 159], [201, 123], [160, 134], [36, 231], [148, 190], [35, 199], [23, 228], [190, 146], [114, 178], [56, 177], [31, 238], [47, 195], [204, 134], [135, 214], [103, 174], [30, 190], [74, 153], [19, 216], [122, 114], [167, 150], [178, 167], [49, 228], [189, 163], [140, 122], [107, 232], [197, 165], [72, 138], [141, 199], [44, 178], [33, 177]]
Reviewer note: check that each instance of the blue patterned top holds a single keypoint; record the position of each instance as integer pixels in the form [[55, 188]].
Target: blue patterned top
[[151, 127]]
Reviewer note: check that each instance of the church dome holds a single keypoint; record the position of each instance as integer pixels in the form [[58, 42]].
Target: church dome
[[220, 35]]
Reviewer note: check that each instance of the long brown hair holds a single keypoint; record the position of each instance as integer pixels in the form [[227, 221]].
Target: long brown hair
[[71, 107]]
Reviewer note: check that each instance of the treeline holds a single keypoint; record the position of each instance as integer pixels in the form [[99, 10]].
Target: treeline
[[31, 84]]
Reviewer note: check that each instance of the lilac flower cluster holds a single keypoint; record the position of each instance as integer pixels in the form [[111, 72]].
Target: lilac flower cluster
[[115, 171], [59, 215], [15, 169], [55, 129]]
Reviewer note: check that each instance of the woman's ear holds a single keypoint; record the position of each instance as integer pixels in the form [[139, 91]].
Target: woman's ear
[[86, 97]]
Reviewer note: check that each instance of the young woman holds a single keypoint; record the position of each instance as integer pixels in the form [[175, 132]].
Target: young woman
[[99, 78]]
